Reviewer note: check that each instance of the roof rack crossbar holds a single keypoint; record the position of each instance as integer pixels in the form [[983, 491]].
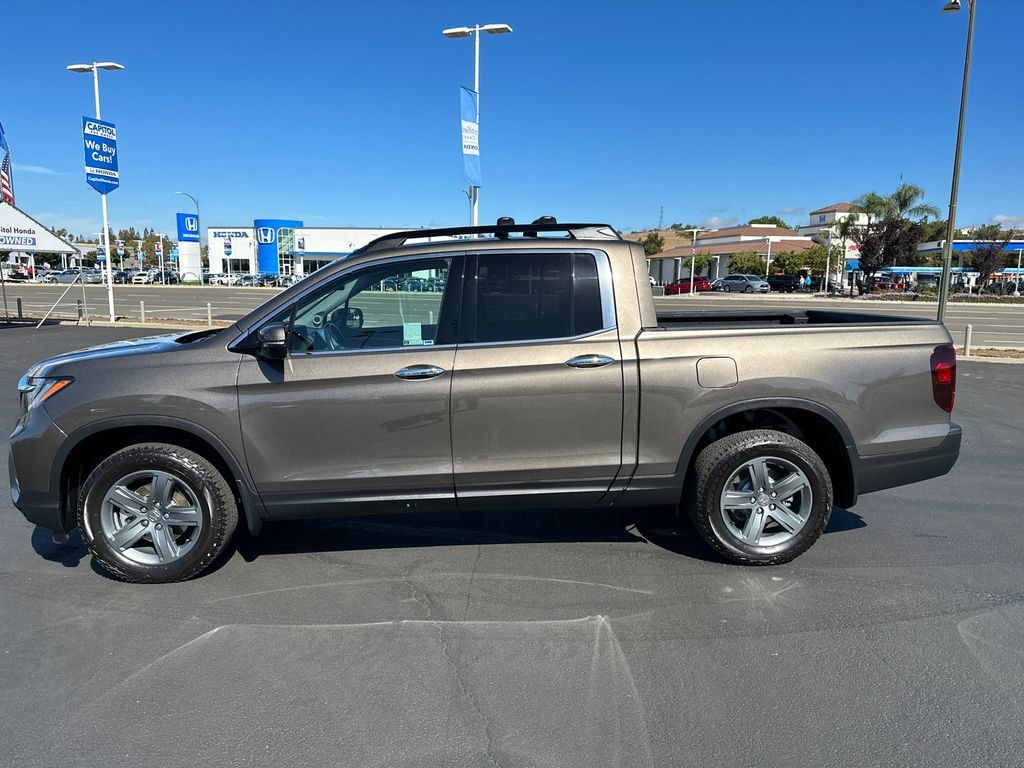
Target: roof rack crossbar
[[575, 231]]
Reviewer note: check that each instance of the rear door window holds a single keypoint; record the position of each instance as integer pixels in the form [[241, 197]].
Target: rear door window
[[536, 296]]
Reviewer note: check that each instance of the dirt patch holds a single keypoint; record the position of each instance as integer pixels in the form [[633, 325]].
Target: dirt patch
[[1007, 354]]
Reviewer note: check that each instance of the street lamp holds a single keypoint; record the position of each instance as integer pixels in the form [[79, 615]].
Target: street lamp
[[947, 248], [768, 261], [95, 68], [693, 252], [454, 32]]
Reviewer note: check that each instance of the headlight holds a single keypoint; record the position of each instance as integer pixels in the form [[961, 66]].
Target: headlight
[[38, 389]]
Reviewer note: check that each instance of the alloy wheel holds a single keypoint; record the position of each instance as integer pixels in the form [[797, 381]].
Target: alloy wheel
[[151, 517], [766, 501]]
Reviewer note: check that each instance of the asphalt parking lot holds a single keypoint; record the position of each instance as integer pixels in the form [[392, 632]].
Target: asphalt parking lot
[[537, 639]]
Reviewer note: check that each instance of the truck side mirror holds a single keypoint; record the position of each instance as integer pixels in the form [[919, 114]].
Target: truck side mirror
[[273, 340]]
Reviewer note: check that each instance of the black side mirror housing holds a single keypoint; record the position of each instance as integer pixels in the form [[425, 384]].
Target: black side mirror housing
[[273, 340]]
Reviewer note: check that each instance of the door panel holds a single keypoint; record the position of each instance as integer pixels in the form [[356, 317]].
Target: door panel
[[359, 411], [537, 390], [342, 427], [524, 422]]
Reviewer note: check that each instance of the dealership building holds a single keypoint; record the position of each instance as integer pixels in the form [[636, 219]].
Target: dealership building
[[284, 246]]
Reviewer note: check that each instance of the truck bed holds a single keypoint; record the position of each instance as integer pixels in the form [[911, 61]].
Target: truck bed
[[678, 320]]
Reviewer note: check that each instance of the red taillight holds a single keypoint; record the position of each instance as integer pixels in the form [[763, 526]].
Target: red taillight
[[944, 377]]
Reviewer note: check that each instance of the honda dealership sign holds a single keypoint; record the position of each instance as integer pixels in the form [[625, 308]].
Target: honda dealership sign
[[188, 254], [470, 136], [188, 228], [100, 140]]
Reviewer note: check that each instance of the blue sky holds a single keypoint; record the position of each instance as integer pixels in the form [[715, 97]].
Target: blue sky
[[341, 113]]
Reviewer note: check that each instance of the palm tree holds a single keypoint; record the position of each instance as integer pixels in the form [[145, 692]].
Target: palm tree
[[904, 203]]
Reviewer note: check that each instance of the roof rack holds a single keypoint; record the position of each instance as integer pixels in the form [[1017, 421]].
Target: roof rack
[[500, 231]]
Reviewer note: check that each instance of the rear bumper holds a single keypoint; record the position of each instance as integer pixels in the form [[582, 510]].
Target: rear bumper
[[876, 473]]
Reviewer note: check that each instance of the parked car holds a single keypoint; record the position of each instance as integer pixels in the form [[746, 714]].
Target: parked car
[[89, 276], [285, 281], [122, 276], [42, 272], [883, 284], [626, 406], [785, 283], [745, 284], [700, 284]]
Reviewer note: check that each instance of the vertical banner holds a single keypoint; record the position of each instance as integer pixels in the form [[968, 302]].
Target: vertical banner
[[470, 136], [100, 140]]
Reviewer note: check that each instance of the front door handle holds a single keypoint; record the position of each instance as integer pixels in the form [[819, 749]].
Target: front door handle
[[417, 372], [589, 361]]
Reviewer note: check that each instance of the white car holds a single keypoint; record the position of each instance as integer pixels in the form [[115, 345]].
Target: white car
[[144, 277]]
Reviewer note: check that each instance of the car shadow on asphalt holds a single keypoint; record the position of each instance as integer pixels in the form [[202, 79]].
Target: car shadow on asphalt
[[662, 527]]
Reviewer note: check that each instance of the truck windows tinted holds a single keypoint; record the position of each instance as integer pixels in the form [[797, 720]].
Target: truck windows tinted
[[536, 296]]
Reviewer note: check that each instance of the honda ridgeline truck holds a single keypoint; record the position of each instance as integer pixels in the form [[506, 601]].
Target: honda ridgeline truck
[[494, 367]]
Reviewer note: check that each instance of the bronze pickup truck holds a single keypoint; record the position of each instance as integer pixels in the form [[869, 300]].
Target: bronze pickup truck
[[494, 367]]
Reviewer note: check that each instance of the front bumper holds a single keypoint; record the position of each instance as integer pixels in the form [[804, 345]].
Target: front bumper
[[35, 485], [889, 470]]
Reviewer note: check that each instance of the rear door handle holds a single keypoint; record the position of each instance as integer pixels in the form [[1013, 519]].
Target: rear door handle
[[589, 361], [417, 372]]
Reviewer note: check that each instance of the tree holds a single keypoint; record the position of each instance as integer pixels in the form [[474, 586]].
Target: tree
[[904, 203], [770, 220], [677, 227], [991, 256], [887, 243], [653, 243], [746, 263], [896, 224], [787, 262]]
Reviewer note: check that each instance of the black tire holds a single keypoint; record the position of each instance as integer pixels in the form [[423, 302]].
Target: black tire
[[217, 508], [717, 463], [748, 289], [728, 289]]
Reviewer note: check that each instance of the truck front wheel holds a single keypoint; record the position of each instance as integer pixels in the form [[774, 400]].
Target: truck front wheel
[[762, 497], [156, 512]]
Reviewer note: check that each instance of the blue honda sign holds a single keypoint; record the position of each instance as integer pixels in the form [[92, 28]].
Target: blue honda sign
[[188, 228], [100, 155]]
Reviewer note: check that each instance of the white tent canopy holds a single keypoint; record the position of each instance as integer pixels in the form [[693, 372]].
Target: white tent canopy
[[20, 232]]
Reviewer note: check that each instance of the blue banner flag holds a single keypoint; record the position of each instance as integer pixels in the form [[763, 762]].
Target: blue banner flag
[[188, 228], [100, 155], [3, 141], [470, 136]]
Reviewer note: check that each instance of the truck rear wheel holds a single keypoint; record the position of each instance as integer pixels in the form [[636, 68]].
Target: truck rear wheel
[[156, 512], [762, 497]]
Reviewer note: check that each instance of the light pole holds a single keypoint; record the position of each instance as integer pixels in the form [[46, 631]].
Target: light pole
[[768, 261], [1020, 278], [95, 68], [693, 252], [828, 258], [947, 248], [160, 237], [491, 29]]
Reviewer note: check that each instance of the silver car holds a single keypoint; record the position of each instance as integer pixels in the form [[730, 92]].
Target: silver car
[[89, 276], [745, 284]]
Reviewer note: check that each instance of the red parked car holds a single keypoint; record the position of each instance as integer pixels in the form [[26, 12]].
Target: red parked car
[[700, 284]]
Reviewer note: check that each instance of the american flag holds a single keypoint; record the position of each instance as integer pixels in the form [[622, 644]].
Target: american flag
[[6, 192], [6, 189]]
